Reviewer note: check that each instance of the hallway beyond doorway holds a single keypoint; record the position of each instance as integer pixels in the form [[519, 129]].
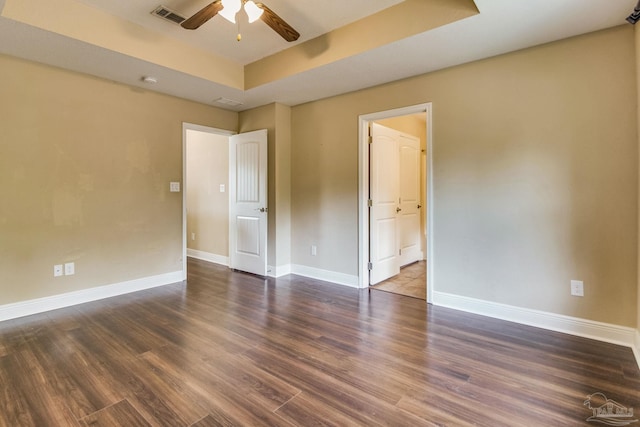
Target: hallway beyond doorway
[[410, 282]]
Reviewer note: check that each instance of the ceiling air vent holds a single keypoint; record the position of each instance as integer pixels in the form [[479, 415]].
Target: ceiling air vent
[[226, 101], [168, 15]]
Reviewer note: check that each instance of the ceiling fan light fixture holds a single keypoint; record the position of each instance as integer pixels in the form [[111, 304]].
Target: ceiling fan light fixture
[[253, 11], [229, 9]]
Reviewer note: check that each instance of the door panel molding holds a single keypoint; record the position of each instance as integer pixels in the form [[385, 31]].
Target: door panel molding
[[384, 191], [248, 202]]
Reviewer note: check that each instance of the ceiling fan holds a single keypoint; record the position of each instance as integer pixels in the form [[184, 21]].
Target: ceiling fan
[[228, 9]]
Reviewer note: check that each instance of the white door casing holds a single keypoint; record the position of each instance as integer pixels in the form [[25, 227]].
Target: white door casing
[[364, 122], [248, 202], [409, 220], [383, 212]]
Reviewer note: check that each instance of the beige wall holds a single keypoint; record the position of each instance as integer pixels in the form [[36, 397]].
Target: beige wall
[[282, 175], [207, 167], [535, 176], [276, 118], [86, 165]]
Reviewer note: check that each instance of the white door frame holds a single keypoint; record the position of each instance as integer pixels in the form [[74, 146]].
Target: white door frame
[[363, 190], [185, 127]]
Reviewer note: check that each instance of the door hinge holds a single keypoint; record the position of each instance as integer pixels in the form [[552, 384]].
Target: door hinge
[[370, 139], [370, 203], [370, 266], [400, 252]]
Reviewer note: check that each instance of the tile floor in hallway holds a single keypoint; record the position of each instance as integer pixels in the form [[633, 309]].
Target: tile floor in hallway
[[410, 282]]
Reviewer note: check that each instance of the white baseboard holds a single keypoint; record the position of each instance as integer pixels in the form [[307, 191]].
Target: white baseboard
[[207, 256], [326, 275], [40, 305], [278, 271], [606, 332], [636, 347]]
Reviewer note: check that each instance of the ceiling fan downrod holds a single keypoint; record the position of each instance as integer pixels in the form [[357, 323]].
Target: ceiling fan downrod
[[635, 15]]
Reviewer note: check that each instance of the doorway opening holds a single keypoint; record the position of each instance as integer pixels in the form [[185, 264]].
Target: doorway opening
[[396, 192], [205, 204], [225, 198]]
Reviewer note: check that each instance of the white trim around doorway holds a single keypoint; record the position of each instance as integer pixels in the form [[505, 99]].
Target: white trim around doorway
[[363, 185]]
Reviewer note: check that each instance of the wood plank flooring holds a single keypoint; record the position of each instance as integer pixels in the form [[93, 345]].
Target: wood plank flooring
[[410, 282], [232, 349]]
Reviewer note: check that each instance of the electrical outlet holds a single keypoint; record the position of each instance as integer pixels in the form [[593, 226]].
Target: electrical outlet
[[193, 236], [69, 269], [174, 187], [314, 250], [577, 288], [57, 270]]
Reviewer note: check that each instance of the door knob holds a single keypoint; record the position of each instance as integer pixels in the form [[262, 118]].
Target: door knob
[[398, 210], [419, 206], [263, 209]]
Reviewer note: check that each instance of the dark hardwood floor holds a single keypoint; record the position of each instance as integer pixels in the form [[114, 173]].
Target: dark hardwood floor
[[232, 349]]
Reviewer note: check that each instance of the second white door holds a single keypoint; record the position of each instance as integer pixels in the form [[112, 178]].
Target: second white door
[[410, 208]]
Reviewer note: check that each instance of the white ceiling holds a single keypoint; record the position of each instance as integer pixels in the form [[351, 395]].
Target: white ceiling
[[502, 26]]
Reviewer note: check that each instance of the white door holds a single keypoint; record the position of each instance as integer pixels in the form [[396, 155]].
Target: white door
[[248, 202], [384, 208], [409, 220]]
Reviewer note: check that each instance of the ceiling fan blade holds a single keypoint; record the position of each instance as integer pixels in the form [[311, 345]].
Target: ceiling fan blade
[[278, 24], [203, 15]]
